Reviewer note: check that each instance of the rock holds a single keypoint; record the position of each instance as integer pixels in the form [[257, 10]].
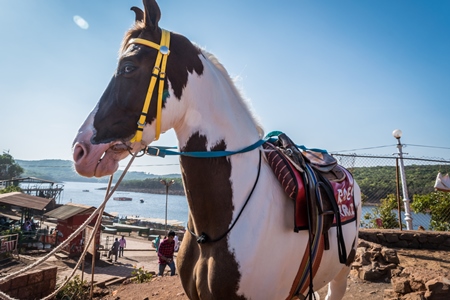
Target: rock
[[390, 294], [392, 238], [371, 263], [372, 274], [401, 285], [100, 292], [437, 290], [417, 286], [390, 256], [414, 296]]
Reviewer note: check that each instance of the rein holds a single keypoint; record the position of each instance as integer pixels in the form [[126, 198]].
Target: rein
[[204, 238]]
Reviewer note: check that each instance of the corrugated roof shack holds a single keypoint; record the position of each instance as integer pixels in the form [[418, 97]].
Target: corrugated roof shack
[[70, 217], [27, 204]]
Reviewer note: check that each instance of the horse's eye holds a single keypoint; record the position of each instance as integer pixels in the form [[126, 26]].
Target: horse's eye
[[126, 69]]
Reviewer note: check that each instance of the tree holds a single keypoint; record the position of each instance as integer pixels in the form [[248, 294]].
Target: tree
[[10, 189], [384, 212], [8, 167], [437, 204]]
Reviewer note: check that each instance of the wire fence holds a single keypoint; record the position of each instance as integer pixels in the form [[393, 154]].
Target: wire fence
[[379, 178]]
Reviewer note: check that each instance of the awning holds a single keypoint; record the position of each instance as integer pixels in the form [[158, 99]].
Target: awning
[[24, 200]]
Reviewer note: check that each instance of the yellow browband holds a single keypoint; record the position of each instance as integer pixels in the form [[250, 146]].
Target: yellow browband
[[158, 71]]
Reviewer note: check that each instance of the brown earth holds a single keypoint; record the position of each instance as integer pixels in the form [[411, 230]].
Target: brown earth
[[429, 261]]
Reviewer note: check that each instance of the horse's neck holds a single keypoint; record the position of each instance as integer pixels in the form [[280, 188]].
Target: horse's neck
[[214, 108], [215, 118]]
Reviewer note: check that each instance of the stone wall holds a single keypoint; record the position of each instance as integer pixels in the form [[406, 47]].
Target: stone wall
[[34, 284], [411, 239]]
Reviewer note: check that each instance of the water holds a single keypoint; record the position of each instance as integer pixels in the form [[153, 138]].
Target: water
[[154, 204], [418, 219]]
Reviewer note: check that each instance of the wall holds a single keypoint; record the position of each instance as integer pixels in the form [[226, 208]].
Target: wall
[[413, 239], [33, 284]]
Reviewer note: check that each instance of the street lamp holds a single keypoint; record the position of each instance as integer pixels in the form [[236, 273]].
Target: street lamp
[[397, 133], [167, 184]]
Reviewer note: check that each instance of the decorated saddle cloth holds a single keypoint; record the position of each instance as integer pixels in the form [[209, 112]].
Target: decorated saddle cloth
[[328, 188]]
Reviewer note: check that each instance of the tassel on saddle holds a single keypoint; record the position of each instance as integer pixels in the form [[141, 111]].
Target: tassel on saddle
[[305, 176]]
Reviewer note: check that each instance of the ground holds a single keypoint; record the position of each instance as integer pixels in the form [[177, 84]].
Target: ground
[[170, 287]]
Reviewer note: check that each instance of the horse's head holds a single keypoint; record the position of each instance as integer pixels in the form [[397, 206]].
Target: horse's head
[[128, 115]]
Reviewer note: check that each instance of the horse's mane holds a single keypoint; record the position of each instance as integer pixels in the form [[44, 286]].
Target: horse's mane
[[137, 29], [245, 103]]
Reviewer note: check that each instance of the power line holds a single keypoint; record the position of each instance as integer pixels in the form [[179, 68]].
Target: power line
[[393, 145], [369, 148], [424, 146]]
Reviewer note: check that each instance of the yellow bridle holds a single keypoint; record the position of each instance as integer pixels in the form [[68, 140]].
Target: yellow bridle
[[159, 70]]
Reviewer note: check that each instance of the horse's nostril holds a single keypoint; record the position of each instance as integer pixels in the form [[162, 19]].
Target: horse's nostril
[[78, 152]]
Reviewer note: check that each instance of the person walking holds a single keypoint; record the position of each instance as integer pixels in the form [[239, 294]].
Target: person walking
[[157, 241], [114, 249], [165, 254], [177, 243], [122, 245]]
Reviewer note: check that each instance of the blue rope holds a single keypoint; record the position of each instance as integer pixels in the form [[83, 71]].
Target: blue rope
[[163, 151], [271, 137]]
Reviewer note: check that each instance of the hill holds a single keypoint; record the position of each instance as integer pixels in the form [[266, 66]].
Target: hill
[[376, 182], [59, 170]]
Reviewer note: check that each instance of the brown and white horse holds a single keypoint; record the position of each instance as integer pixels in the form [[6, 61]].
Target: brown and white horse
[[259, 255]]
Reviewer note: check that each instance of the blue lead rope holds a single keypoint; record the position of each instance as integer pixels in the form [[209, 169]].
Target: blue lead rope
[[162, 151]]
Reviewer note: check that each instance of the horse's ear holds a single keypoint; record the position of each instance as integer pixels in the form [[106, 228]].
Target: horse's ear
[[152, 14], [139, 14]]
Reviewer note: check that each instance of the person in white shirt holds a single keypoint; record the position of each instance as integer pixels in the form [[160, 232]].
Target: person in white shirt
[[177, 243]]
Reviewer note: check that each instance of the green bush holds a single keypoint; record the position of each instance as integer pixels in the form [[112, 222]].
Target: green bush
[[385, 212], [74, 289], [141, 275], [437, 204]]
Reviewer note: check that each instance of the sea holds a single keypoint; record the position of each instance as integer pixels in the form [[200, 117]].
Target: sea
[[154, 205]]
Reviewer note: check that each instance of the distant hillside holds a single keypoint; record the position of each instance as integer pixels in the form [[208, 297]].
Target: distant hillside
[[375, 182], [59, 170]]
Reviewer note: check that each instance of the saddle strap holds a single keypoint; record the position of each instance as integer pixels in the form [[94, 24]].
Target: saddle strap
[[325, 185]]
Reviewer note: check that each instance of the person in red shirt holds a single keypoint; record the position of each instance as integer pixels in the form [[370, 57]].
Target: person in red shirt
[[165, 254]]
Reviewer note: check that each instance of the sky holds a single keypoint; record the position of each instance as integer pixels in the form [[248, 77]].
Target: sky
[[337, 75]]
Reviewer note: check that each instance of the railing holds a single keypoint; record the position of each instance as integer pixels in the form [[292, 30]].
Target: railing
[[9, 244], [378, 178]]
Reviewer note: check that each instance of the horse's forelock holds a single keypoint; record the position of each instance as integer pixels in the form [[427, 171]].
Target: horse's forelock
[[132, 33]]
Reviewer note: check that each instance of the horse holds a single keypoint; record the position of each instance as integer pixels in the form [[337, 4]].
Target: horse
[[241, 244]]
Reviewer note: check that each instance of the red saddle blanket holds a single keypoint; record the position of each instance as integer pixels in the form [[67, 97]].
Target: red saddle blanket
[[291, 180]]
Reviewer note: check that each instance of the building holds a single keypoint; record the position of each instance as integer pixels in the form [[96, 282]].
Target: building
[[36, 187], [69, 218]]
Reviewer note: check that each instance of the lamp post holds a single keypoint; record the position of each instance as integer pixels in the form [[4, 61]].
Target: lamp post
[[167, 184], [397, 133]]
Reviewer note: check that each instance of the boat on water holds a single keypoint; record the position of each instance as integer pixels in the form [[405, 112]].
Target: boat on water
[[122, 198], [86, 191], [142, 200]]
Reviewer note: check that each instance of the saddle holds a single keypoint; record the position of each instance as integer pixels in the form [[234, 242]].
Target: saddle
[[307, 177]]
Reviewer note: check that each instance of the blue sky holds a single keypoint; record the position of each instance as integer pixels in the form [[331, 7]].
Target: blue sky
[[337, 75]]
